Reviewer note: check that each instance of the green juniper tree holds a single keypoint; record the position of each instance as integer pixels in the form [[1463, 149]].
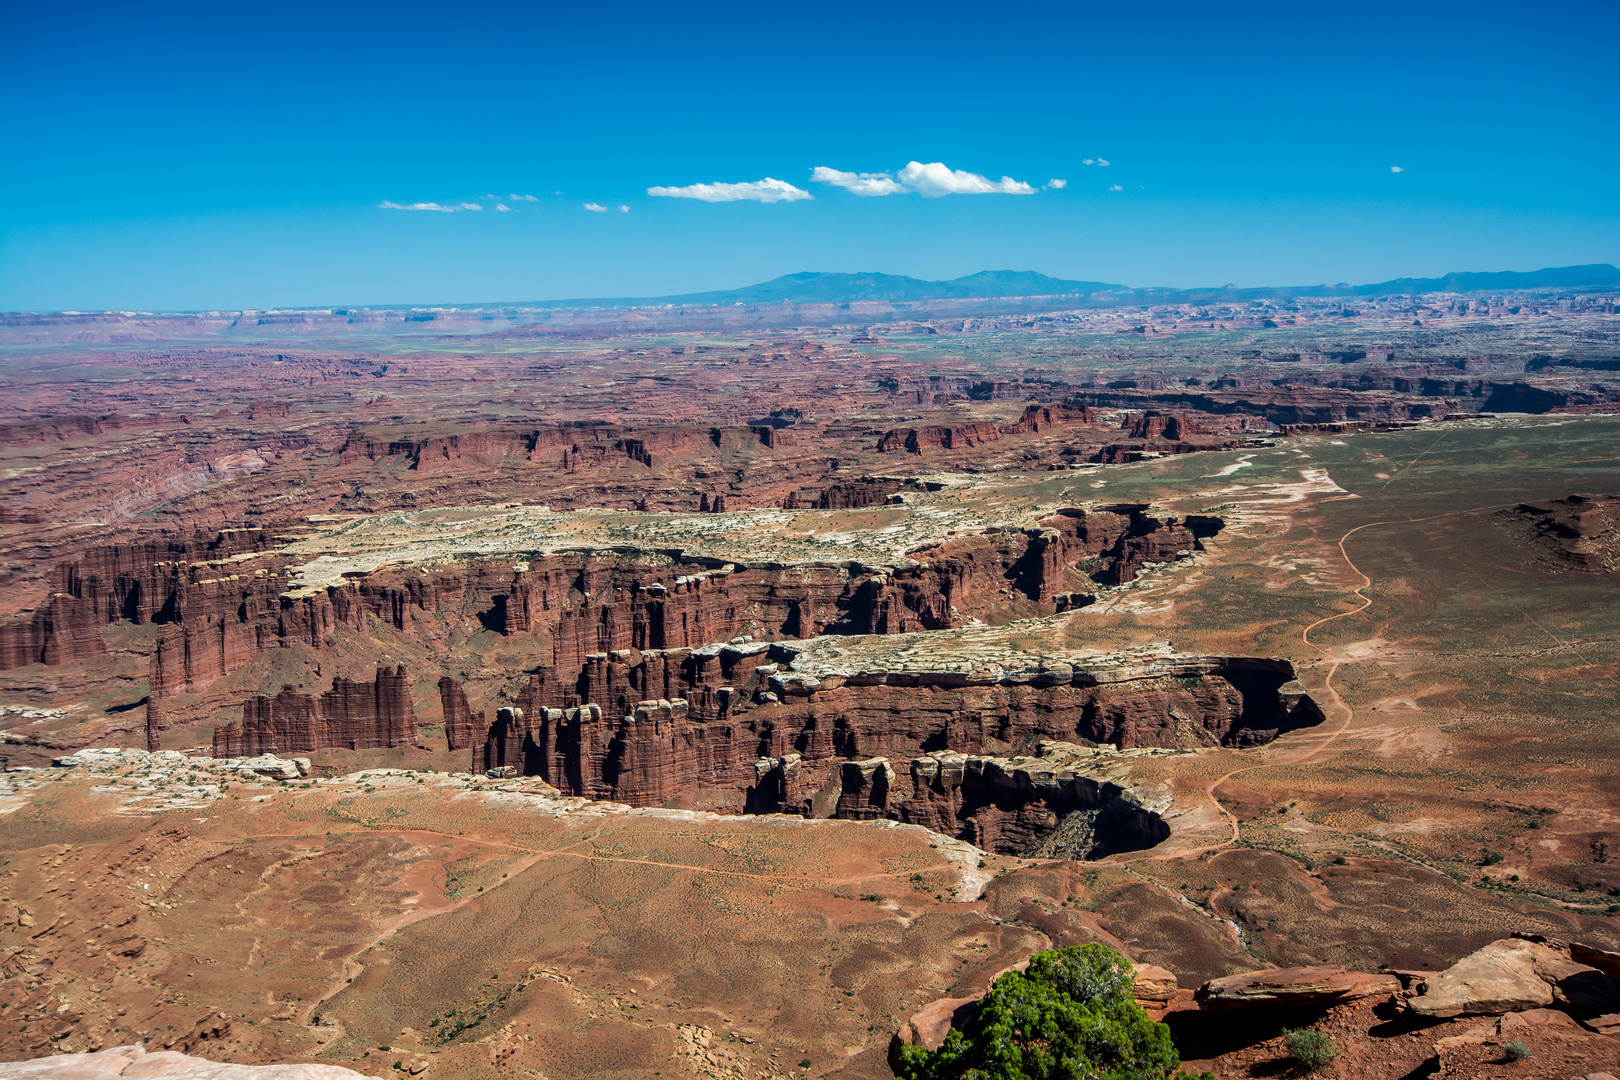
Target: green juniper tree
[[1071, 1016]]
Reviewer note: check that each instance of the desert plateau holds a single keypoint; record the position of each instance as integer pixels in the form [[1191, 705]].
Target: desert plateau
[[570, 694], [857, 542]]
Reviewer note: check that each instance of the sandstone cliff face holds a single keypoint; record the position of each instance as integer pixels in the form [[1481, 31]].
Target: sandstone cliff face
[[221, 600], [462, 727], [350, 716], [817, 732], [148, 582], [847, 496], [1154, 424], [1036, 418], [1067, 801], [938, 437]]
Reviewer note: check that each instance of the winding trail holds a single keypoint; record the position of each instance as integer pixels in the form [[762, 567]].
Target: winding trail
[[1313, 743]]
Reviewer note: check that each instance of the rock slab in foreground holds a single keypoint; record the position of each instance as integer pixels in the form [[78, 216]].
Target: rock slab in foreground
[[1513, 975], [1323, 986], [134, 1063]]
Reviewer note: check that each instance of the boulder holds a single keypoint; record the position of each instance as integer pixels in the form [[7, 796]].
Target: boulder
[[135, 1063], [1508, 1026], [1155, 986], [1512, 975], [928, 1026], [1604, 960], [271, 766], [1319, 986]]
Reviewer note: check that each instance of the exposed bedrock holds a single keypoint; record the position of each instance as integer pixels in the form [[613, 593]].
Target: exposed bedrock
[[350, 716], [566, 447], [223, 598], [146, 582], [1374, 399], [463, 728], [1581, 532], [917, 440], [804, 734]]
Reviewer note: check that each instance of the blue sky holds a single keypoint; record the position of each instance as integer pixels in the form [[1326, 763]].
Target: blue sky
[[165, 156]]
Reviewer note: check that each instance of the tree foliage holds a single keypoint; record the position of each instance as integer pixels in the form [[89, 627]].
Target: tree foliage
[[1071, 1016]]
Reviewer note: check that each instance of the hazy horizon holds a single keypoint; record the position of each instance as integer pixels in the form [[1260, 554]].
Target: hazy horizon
[[196, 158]]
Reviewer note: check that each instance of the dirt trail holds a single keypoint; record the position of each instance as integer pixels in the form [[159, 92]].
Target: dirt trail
[[1307, 745]]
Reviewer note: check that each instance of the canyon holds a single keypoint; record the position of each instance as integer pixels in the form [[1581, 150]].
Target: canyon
[[860, 656]]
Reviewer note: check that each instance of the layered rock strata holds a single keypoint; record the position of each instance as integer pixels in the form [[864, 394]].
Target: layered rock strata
[[919, 440], [800, 727], [350, 716], [220, 600], [145, 582]]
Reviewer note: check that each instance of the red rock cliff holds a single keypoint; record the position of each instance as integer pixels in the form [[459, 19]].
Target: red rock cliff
[[350, 716]]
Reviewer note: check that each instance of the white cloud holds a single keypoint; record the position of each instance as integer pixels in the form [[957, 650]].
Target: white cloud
[[471, 206], [931, 180], [1103, 162], [623, 209], [387, 205], [503, 208], [859, 183], [1396, 168], [596, 208], [1115, 187], [1089, 161], [1057, 185], [520, 198], [934, 179], [763, 191]]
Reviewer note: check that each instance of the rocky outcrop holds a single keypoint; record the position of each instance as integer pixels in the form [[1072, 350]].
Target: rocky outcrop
[[1036, 418], [1066, 801], [938, 437], [48, 429], [1316, 987], [1581, 532], [1155, 424], [1039, 418], [809, 733], [851, 495], [1154, 986], [155, 581], [949, 581], [462, 727], [1514, 974], [350, 716]]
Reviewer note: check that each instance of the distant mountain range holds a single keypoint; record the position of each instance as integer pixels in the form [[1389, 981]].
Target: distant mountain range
[[816, 288]]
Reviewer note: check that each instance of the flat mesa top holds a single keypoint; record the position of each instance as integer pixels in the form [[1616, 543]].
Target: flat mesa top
[[874, 536], [1024, 650]]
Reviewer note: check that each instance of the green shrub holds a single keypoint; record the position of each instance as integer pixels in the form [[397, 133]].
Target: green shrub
[[1514, 1050], [1070, 1015], [1311, 1048]]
